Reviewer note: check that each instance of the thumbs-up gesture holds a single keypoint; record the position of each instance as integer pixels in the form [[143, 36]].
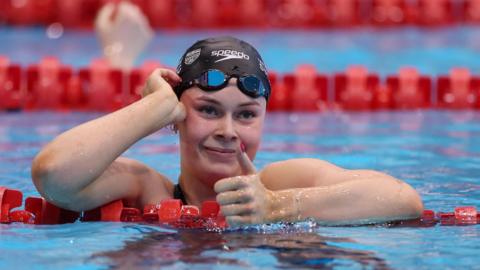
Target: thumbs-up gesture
[[244, 199]]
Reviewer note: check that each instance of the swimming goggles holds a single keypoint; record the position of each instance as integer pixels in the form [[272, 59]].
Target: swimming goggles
[[214, 80]]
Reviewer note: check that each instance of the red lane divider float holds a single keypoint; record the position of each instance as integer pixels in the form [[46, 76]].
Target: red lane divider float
[[102, 86], [392, 13], [458, 90], [471, 11], [173, 213], [51, 85], [308, 89], [47, 84], [251, 13], [9, 199], [10, 89], [354, 90], [138, 77], [168, 212], [410, 90], [435, 12]]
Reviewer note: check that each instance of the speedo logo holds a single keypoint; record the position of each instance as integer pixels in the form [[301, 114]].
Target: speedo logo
[[229, 54]]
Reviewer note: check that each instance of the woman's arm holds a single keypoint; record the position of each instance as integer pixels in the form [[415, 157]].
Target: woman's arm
[[364, 200], [77, 169], [334, 195], [298, 189]]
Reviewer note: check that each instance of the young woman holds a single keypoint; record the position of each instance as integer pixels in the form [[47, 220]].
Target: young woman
[[217, 102]]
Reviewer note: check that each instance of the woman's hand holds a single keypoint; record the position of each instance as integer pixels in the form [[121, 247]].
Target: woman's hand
[[160, 82], [244, 199]]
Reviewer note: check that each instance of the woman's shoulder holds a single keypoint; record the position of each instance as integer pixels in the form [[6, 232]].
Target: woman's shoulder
[[155, 186]]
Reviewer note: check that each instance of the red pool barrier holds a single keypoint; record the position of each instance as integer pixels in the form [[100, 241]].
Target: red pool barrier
[[138, 77], [344, 12], [250, 13], [40, 10], [74, 96], [168, 212], [50, 85], [47, 82], [113, 212], [19, 12], [308, 89], [462, 216], [471, 11], [11, 95], [71, 13], [280, 97], [172, 213], [459, 90], [189, 218], [47, 213], [355, 89], [228, 14], [9, 199], [204, 13], [161, 13], [293, 14], [466, 215], [22, 216], [382, 98], [435, 12], [391, 12], [103, 86], [410, 90]]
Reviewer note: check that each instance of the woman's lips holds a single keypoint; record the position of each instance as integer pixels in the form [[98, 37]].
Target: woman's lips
[[220, 150]]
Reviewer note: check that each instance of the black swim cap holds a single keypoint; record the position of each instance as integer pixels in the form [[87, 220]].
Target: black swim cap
[[227, 54]]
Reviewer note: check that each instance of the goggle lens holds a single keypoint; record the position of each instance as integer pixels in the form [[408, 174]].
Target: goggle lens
[[213, 80], [252, 86]]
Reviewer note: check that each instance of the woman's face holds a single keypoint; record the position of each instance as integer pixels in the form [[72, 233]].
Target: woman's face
[[216, 123]]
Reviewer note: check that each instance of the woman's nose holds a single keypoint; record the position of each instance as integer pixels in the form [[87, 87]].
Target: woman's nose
[[225, 129]]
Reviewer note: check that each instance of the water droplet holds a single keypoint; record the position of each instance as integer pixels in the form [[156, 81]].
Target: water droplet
[[54, 30]]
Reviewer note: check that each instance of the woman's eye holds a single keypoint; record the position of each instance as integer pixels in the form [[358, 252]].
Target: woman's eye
[[246, 114], [208, 110]]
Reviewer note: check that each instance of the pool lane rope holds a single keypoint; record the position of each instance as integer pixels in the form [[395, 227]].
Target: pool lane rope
[[170, 14], [172, 213], [51, 85]]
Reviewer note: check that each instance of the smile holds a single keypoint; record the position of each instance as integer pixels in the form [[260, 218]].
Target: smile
[[220, 150], [219, 153]]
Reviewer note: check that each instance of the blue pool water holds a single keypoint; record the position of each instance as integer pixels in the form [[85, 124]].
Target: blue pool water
[[437, 152], [432, 50]]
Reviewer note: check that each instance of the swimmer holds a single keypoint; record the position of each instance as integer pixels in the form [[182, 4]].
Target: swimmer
[[216, 100]]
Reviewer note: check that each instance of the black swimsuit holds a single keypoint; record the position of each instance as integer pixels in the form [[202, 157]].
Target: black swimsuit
[[178, 194]]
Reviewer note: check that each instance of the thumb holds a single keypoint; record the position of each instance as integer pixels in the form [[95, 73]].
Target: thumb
[[246, 164]]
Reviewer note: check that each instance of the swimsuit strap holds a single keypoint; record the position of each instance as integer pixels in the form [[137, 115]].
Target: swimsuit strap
[[178, 194]]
